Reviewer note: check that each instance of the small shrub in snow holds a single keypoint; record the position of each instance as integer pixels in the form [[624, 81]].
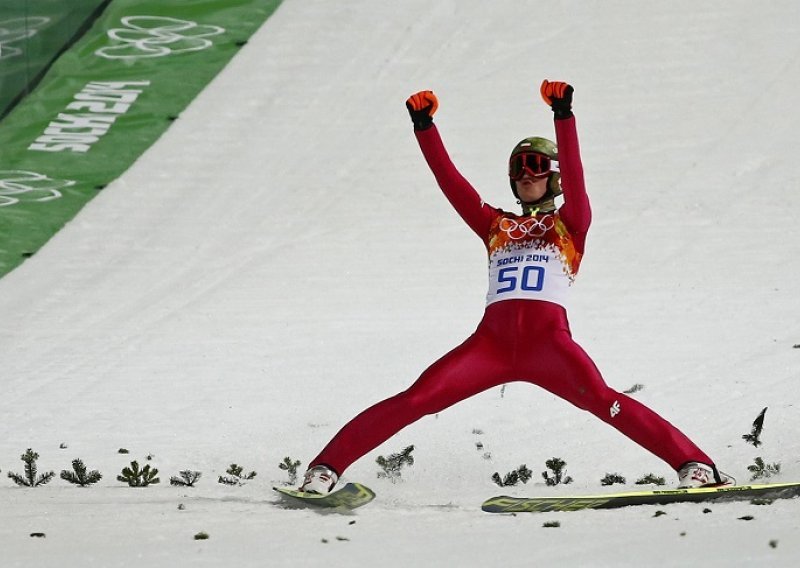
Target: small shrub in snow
[[185, 478], [139, 477], [290, 467], [611, 479], [651, 479], [634, 389], [79, 475], [30, 477], [761, 470], [552, 524], [557, 473], [754, 437], [236, 476], [392, 466], [522, 473]]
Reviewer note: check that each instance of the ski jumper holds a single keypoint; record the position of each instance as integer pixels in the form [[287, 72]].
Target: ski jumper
[[524, 334]]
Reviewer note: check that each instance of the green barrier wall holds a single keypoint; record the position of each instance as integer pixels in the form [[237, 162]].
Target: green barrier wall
[[32, 34], [104, 102]]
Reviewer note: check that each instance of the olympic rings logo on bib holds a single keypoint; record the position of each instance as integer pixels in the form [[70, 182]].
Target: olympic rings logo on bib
[[530, 227]]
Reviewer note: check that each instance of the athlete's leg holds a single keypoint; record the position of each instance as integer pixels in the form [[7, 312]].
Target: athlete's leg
[[474, 366], [566, 370]]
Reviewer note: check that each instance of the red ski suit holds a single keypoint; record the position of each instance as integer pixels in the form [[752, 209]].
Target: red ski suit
[[521, 337]]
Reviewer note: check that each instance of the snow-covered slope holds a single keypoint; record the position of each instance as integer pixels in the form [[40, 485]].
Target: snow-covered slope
[[282, 258]]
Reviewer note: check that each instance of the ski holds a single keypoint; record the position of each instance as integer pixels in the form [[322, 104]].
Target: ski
[[348, 497], [505, 504]]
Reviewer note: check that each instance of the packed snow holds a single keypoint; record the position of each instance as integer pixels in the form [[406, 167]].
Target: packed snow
[[282, 258]]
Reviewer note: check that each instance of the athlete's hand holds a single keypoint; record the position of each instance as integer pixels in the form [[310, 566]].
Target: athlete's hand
[[422, 106], [558, 95]]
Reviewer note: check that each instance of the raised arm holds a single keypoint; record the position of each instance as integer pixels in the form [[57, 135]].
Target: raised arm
[[462, 196], [576, 211]]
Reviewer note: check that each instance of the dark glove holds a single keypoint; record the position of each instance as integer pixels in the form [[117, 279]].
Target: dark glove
[[421, 106], [558, 95]]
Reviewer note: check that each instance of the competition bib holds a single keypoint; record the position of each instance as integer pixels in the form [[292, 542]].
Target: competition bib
[[530, 258]]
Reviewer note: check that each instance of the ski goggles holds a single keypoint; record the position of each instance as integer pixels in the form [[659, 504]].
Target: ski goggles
[[534, 164]]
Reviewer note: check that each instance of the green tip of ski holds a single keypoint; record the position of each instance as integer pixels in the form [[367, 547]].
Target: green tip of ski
[[348, 497]]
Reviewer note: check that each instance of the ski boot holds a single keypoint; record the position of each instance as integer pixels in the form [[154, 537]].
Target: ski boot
[[319, 479], [696, 474]]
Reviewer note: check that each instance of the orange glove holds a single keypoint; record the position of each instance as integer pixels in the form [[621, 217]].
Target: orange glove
[[422, 106], [558, 95]]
